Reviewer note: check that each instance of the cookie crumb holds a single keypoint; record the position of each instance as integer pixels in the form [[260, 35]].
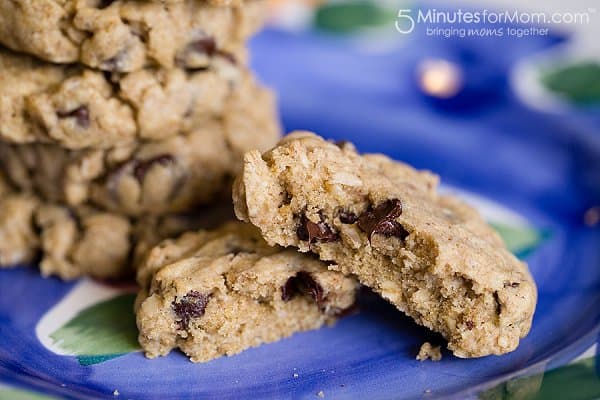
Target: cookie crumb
[[429, 352], [321, 394], [295, 375], [116, 392]]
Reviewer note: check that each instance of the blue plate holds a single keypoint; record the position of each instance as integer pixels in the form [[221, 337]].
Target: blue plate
[[533, 177]]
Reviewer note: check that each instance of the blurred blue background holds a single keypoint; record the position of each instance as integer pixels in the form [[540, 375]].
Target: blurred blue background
[[343, 69]]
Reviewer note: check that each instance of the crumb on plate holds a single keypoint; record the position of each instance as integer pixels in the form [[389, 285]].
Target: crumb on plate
[[430, 352]]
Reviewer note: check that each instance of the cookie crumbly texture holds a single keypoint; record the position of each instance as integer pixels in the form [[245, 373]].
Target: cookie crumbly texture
[[83, 241], [69, 243], [88, 242], [430, 255], [79, 108], [127, 35], [215, 293], [18, 239], [150, 178], [429, 352]]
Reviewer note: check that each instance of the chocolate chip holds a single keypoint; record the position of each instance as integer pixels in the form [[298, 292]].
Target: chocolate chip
[[287, 198], [498, 304], [341, 143], [391, 228], [470, 325], [302, 283], [141, 168], [105, 3], [235, 250], [226, 55], [320, 232], [191, 306], [81, 115], [111, 64], [313, 232], [204, 45], [347, 217], [301, 231], [312, 287], [289, 290], [381, 220], [512, 284]]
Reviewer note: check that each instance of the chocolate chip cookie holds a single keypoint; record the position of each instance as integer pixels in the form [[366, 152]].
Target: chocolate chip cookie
[[71, 242], [215, 293], [79, 108], [84, 241], [164, 176], [430, 255], [18, 239], [127, 35]]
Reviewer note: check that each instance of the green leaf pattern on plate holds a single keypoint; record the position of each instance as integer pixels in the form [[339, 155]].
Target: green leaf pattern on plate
[[521, 240], [576, 381], [579, 82], [22, 394], [100, 332]]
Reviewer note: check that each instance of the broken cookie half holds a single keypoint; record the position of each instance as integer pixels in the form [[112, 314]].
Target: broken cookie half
[[430, 255], [215, 293]]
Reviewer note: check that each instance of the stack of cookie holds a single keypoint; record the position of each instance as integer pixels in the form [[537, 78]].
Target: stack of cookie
[[117, 117]]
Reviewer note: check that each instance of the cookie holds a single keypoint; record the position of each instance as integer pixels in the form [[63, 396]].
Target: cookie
[[88, 242], [216, 293], [79, 108], [160, 177], [74, 242], [83, 242], [18, 239], [127, 35], [67, 243], [430, 255], [429, 352]]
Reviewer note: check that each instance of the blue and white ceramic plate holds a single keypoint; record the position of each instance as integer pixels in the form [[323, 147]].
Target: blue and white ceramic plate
[[536, 180]]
